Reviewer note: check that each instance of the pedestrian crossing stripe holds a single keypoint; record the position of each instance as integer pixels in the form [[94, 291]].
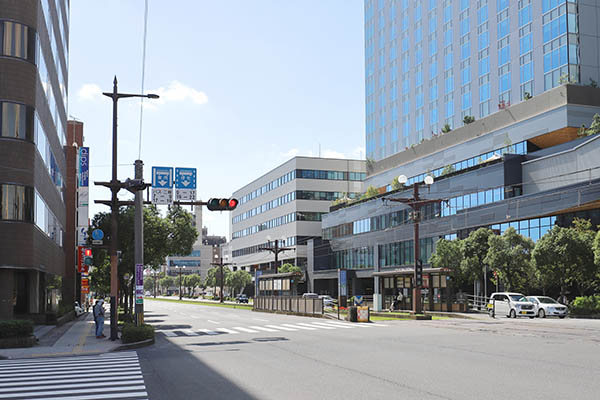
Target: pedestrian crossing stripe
[[327, 325], [73, 378]]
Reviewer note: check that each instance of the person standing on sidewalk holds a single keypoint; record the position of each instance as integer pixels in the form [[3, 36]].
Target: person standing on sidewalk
[[99, 318]]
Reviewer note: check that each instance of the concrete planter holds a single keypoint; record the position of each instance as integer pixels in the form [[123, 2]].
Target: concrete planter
[[15, 342]]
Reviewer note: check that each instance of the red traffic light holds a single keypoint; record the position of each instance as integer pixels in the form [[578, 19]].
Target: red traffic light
[[88, 252], [222, 204]]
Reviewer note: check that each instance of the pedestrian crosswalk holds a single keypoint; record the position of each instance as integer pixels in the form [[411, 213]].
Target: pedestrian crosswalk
[[105, 376], [271, 328]]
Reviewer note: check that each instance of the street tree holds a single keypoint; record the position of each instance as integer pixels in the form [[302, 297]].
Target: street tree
[[213, 278], [287, 267], [448, 255], [509, 255], [475, 249], [565, 257], [191, 282], [167, 282], [149, 283], [238, 280]]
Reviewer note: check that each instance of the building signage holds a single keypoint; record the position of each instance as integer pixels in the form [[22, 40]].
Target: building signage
[[82, 235], [139, 283], [342, 282], [162, 185], [81, 267], [185, 184], [84, 166]]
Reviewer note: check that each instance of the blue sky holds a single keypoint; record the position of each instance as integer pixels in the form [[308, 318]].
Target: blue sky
[[245, 85]]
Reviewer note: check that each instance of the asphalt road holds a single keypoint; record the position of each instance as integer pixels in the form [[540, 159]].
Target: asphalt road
[[220, 353]]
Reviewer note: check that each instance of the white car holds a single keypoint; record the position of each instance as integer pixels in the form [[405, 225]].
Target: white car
[[510, 305], [328, 301], [547, 306]]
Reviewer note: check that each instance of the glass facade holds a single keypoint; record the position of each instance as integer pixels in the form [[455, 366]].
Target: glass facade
[[431, 63]]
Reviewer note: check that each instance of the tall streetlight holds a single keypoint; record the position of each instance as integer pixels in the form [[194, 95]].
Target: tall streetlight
[[275, 249], [220, 265], [115, 185], [180, 269], [416, 203]]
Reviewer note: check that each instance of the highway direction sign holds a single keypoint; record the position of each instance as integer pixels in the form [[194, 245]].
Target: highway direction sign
[[185, 184]]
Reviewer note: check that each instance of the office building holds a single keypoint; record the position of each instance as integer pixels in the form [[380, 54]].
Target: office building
[[286, 205], [429, 63], [526, 167], [33, 101]]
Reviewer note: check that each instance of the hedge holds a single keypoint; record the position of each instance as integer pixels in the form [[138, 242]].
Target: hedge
[[132, 333], [16, 328], [586, 305]]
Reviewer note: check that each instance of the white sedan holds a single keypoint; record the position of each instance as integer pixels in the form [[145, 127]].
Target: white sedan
[[547, 306]]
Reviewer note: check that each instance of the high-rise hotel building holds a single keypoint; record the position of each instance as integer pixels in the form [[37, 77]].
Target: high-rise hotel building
[[33, 101], [429, 63]]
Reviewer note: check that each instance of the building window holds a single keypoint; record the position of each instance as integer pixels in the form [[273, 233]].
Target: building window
[[16, 121], [17, 40]]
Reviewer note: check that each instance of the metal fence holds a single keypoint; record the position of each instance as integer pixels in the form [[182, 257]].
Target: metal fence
[[293, 304], [477, 303]]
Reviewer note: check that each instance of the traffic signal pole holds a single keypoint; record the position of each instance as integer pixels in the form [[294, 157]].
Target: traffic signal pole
[[138, 224]]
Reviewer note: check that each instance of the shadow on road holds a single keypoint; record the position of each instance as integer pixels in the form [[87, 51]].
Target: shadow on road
[[171, 372]]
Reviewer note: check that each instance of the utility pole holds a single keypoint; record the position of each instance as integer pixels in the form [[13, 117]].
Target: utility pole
[[115, 185], [275, 249], [416, 203], [138, 224], [180, 269], [220, 265]]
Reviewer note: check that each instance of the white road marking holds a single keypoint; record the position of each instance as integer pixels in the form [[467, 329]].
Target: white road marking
[[333, 325], [281, 327], [213, 322], [315, 326], [260, 319], [300, 327], [239, 328], [262, 328], [190, 332], [169, 333], [208, 331]]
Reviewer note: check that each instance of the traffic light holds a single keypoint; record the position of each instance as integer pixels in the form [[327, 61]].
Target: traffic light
[[222, 204], [87, 257]]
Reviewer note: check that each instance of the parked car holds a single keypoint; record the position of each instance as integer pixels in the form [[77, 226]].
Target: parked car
[[510, 305], [547, 306], [242, 298], [328, 301], [78, 309], [310, 296]]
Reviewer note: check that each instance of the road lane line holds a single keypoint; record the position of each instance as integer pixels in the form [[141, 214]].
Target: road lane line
[[315, 326], [300, 327], [207, 331], [260, 319], [333, 325], [262, 328], [281, 327], [239, 328], [213, 322]]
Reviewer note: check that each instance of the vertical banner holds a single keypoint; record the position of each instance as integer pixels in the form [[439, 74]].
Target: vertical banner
[[83, 166], [342, 281], [139, 283]]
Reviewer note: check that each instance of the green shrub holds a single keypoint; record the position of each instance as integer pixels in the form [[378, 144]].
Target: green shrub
[[132, 333], [125, 317], [16, 328], [586, 305]]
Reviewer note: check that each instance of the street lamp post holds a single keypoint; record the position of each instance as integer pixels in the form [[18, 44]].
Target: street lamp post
[[220, 265], [180, 268], [115, 185], [275, 249], [416, 203]]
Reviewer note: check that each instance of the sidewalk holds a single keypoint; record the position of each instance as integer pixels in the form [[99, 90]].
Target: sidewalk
[[74, 338]]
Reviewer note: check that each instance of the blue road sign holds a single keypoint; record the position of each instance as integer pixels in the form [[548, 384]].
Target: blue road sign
[[97, 234], [185, 178], [358, 300], [162, 177]]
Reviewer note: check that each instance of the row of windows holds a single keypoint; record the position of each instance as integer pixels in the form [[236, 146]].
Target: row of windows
[[290, 176], [379, 222], [297, 195], [284, 219], [358, 258], [21, 122], [17, 40], [518, 148], [403, 253], [184, 263], [470, 200], [51, 98], [23, 203], [53, 33], [291, 241], [304, 174]]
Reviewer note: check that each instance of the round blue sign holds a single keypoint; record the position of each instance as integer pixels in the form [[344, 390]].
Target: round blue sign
[[97, 234]]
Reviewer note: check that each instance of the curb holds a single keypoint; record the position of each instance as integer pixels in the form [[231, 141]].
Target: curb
[[134, 345]]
